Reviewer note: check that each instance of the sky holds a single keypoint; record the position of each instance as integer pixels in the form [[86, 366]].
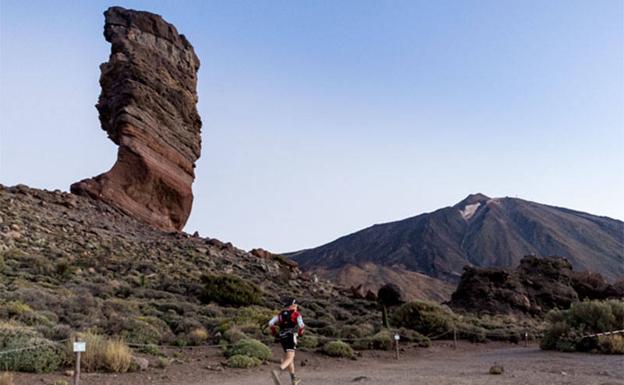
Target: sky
[[324, 117]]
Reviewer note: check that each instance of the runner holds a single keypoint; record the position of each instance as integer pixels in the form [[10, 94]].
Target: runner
[[290, 325]]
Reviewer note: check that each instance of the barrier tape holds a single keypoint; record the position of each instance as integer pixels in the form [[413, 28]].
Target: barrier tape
[[603, 334]]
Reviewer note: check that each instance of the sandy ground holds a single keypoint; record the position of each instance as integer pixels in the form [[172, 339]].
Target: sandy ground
[[440, 364]]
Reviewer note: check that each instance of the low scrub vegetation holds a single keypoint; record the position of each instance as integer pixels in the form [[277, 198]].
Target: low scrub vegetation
[[568, 330], [41, 355], [338, 349], [229, 290], [117, 356], [6, 378], [102, 354], [242, 361], [251, 348], [432, 321]]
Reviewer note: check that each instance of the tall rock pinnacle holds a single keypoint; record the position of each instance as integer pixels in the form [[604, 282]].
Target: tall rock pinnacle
[[148, 108]]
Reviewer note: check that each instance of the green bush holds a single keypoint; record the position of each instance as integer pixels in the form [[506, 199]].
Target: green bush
[[146, 330], [413, 336], [308, 341], [425, 318], [362, 343], [242, 361], [152, 350], [229, 290], [566, 329], [250, 347], [46, 357], [384, 340], [234, 334], [338, 349]]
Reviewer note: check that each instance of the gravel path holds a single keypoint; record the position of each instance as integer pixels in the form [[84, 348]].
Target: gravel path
[[438, 365]]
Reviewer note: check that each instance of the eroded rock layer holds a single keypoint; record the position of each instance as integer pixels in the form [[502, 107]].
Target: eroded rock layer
[[148, 108]]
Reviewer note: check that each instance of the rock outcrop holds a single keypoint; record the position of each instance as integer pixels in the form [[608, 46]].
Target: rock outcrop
[[148, 108], [536, 286]]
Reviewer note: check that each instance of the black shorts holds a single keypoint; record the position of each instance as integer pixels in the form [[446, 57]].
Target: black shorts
[[288, 341]]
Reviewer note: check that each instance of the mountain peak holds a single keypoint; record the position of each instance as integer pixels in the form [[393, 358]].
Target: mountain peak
[[472, 199]]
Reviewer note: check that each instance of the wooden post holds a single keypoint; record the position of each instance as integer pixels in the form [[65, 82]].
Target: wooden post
[[396, 344], [454, 337], [526, 339], [77, 372], [79, 346]]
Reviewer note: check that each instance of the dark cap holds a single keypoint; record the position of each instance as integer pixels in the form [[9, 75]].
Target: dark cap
[[289, 302]]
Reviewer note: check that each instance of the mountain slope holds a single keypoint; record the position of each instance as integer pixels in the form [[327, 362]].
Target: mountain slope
[[70, 263], [478, 231]]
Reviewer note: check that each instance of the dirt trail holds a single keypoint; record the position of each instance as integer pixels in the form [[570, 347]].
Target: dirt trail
[[438, 365]]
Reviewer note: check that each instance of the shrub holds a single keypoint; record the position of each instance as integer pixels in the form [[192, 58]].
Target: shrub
[[6, 378], [16, 308], [356, 331], [425, 318], [91, 358], [409, 335], [242, 361], [116, 356], [197, 336], [146, 330], [308, 341], [46, 357], [363, 343], [253, 317], [152, 349], [229, 290], [384, 340], [250, 347], [234, 334], [163, 362], [566, 330], [338, 349], [613, 344]]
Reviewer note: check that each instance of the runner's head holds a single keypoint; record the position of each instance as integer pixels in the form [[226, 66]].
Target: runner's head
[[290, 304]]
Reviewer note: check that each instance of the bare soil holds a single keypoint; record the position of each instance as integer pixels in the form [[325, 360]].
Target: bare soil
[[440, 364]]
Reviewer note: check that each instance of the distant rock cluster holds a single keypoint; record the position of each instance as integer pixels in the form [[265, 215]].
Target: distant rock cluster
[[148, 108], [536, 286]]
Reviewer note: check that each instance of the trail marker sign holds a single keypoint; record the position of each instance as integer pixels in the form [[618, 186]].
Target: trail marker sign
[[80, 347]]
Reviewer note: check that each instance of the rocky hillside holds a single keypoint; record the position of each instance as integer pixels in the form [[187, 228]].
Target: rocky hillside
[[73, 263], [478, 231]]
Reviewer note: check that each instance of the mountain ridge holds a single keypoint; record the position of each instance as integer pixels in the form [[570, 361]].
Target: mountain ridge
[[478, 231]]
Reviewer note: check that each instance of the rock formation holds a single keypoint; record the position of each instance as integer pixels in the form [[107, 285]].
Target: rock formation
[[536, 286], [148, 108]]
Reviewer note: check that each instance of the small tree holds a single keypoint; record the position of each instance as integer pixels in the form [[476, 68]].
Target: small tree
[[388, 295]]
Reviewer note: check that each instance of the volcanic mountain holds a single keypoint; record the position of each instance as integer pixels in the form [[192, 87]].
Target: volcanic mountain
[[478, 231]]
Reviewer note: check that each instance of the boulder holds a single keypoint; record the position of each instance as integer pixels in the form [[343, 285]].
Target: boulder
[[536, 286], [148, 108]]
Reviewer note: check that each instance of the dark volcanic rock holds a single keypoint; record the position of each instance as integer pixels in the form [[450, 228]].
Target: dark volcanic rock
[[148, 108], [536, 286]]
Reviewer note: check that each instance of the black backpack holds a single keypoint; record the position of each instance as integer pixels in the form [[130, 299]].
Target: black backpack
[[286, 320]]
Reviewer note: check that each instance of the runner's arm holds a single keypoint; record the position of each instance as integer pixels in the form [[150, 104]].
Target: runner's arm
[[272, 323], [300, 324]]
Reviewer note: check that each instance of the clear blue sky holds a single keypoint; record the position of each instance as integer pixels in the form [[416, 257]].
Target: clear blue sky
[[323, 117]]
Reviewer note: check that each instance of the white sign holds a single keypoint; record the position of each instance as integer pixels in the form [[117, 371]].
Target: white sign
[[80, 347], [397, 337]]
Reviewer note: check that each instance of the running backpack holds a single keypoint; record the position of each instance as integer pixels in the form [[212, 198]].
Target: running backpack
[[287, 320]]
